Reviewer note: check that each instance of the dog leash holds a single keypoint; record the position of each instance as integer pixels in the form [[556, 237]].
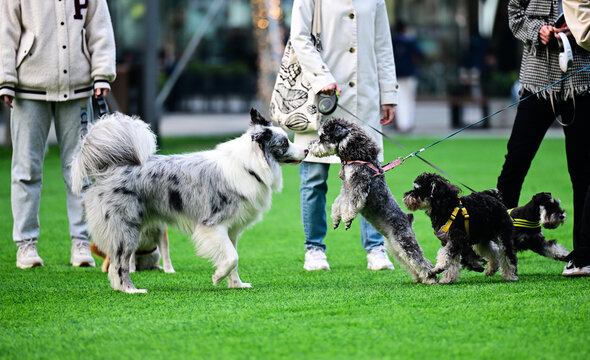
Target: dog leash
[[401, 160], [392, 164]]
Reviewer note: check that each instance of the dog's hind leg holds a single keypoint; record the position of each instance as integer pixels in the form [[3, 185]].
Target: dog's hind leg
[[165, 250], [119, 268], [213, 242], [489, 251], [508, 259]]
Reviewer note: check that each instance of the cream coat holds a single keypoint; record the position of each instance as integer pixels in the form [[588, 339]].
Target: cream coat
[[577, 16], [55, 50], [357, 54]]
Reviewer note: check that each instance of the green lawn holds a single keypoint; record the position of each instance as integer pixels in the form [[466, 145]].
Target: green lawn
[[57, 311]]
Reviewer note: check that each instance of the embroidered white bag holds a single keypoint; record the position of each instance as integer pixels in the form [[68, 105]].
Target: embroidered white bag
[[293, 104]]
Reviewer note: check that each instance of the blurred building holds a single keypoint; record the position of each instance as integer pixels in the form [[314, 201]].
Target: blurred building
[[469, 51]]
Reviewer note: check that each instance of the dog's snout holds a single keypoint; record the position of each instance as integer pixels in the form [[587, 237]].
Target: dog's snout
[[562, 216]]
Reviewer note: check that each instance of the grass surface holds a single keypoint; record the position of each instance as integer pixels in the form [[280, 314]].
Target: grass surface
[[57, 311]]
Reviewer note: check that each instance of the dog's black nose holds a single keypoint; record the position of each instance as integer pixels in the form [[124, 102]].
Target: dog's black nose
[[306, 152], [561, 216]]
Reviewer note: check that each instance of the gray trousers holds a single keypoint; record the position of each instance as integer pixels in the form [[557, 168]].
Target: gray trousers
[[30, 122]]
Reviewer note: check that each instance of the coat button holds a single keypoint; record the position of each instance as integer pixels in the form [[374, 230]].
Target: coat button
[[351, 15], [352, 50], [351, 84]]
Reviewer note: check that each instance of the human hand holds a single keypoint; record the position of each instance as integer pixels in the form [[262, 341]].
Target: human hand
[[7, 100], [388, 114], [329, 89], [546, 33], [564, 29], [101, 91]]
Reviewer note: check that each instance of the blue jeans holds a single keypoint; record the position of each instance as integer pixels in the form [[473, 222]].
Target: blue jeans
[[312, 190]]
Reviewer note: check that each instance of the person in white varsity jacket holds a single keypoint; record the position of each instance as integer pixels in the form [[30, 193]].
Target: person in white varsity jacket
[[533, 23], [54, 55]]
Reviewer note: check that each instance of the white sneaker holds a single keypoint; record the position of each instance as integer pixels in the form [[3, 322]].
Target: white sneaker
[[27, 256], [377, 259], [81, 254], [315, 259], [571, 270]]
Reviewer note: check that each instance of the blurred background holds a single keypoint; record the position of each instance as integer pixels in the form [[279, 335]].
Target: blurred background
[[201, 64]]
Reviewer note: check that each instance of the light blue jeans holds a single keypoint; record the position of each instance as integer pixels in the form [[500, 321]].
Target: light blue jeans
[[312, 190], [30, 122]]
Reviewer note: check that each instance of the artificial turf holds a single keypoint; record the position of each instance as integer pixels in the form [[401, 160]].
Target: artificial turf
[[60, 312]]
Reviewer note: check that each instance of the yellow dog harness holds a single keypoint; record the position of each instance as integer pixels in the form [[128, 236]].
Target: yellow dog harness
[[454, 215], [524, 223]]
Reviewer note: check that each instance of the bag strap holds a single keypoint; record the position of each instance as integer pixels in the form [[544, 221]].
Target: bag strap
[[316, 25]]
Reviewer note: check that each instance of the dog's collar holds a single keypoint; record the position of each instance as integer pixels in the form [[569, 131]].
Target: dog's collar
[[146, 252], [447, 226], [524, 222], [378, 171]]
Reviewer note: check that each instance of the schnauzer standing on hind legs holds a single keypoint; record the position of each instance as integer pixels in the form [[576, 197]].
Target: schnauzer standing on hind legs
[[479, 220], [365, 191]]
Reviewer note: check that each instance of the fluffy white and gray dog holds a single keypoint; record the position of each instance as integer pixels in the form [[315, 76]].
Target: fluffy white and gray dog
[[365, 191], [215, 194]]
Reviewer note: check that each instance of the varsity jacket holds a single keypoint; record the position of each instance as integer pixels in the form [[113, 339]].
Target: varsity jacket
[[540, 63], [55, 50]]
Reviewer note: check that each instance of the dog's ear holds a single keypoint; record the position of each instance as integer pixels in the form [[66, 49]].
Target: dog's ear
[[541, 198], [340, 132], [258, 119]]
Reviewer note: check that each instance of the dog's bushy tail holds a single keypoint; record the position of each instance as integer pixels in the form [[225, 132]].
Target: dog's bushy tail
[[114, 140]]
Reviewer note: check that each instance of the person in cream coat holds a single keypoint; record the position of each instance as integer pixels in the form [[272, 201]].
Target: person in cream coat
[[356, 60], [54, 56]]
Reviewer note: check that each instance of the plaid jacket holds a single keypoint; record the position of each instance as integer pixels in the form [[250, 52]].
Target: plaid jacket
[[540, 63]]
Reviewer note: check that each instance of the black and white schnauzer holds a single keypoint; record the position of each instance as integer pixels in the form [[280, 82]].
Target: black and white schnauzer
[[365, 191], [479, 220], [215, 194], [542, 211]]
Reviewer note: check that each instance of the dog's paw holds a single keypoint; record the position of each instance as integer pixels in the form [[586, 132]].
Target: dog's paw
[[347, 224], [134, 291], [336, 223], [511, 277], [241, 285], [169, 270]]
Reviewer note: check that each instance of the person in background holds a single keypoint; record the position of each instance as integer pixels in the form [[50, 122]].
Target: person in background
[[356, 61], [406, 53], [577, 17], [532, 22], [55, 56]]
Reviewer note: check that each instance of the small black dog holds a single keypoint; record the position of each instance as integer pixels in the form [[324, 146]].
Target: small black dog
[[479, 220], [543, 210]]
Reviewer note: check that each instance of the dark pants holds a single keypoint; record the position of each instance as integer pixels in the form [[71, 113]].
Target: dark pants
[[533, 118]]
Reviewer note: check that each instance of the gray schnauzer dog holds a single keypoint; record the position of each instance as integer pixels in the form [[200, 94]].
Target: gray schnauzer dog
[[479, 220], [365, 191], [215, 194], [542, 211]]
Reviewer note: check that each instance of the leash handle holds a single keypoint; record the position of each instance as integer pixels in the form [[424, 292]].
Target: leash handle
[[103, 107]]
